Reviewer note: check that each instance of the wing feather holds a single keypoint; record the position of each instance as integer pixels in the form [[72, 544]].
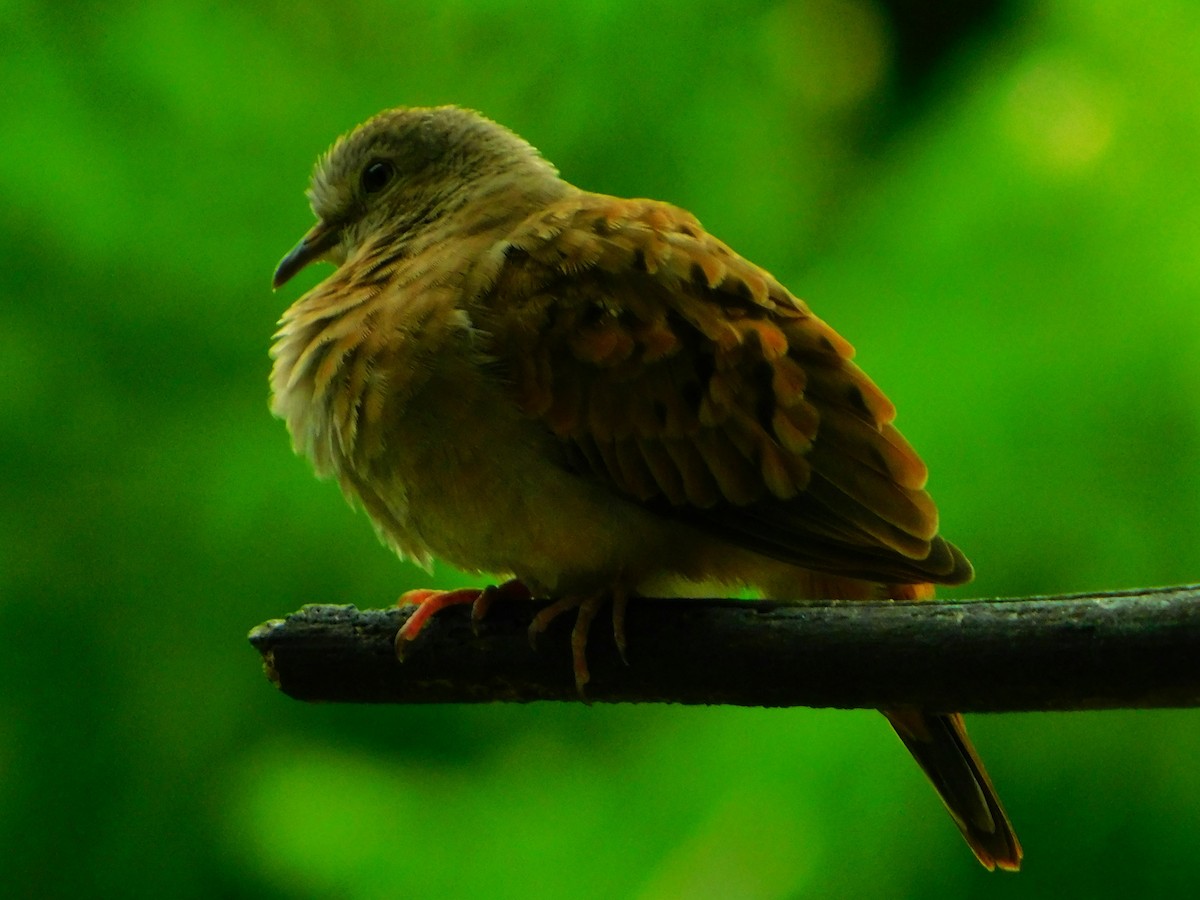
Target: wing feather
[[689, 380]]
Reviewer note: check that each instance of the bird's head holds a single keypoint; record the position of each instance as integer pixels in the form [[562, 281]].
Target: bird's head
[[403, 171]]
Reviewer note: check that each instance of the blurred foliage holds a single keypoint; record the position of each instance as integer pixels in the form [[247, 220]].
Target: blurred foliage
[[1007, 229]]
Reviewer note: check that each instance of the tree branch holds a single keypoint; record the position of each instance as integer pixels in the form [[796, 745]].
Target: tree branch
[[1133, 649]]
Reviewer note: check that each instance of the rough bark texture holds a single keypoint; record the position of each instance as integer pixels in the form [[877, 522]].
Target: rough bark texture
[[1129, 649]]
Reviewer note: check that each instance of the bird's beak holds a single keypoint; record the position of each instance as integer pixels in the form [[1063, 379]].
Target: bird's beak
[[320, 239]]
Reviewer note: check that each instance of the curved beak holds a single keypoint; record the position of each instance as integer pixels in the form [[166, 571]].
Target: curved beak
[[313, 246]]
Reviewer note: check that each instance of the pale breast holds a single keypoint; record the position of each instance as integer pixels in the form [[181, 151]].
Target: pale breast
[[387, 391], [351, 358]]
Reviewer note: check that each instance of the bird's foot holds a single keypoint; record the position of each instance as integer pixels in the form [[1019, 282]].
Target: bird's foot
[[512, 589], [431, 602], [587, 606]]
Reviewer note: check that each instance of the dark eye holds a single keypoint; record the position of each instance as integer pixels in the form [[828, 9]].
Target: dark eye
[[376, 175]]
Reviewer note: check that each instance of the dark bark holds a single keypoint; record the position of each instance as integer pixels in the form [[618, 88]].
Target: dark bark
[[1129, 649]]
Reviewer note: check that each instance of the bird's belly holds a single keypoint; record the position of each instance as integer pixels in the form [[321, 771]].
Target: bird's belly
[[472, 482]]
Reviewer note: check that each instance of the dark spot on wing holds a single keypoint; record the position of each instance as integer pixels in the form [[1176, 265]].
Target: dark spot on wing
[[762, 376], [737, 298], [742, 290], [854, 396]]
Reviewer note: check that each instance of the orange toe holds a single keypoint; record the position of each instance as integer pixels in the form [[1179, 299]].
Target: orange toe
[[587, 607], [417, 597], [428, 603]]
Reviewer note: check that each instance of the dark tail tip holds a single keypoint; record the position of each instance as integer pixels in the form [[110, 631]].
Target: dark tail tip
[[940, 745]]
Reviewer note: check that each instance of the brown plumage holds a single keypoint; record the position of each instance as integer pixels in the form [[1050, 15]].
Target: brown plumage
[[597, 398]]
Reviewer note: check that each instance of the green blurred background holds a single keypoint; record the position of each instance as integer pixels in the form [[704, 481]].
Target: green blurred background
[[996, 202]]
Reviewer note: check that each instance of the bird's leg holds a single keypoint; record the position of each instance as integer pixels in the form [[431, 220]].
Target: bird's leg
[[579, 635], [513, 589], [587, 606], [430, 602]]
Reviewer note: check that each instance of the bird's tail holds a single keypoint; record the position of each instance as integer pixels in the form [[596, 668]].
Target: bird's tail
[[940, 745]]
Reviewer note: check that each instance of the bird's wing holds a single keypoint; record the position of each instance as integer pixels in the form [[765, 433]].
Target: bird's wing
[[692, 382]]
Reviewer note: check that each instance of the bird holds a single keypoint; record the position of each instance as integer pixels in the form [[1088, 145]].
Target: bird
[[595, 399]]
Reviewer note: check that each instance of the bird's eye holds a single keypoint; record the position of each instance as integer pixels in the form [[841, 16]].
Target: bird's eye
[[376, 176]]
